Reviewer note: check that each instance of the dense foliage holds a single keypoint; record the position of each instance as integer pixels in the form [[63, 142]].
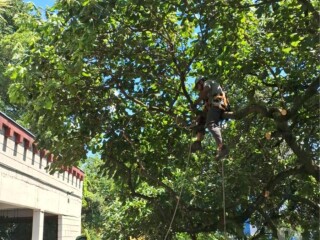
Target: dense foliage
[[113, 78], [8, 11]]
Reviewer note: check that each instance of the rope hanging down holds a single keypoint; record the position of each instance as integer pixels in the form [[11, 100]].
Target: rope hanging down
[[223, 199], [180, 193]]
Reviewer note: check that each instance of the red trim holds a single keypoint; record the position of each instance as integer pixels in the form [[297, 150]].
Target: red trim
[[34, 148], [74, 171], [17, 138], [7, 131], [43, 153], [11, 128], [50, 157], [27, 144]]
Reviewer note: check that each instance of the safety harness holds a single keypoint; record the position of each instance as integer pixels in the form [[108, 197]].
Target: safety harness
[[221, 101]]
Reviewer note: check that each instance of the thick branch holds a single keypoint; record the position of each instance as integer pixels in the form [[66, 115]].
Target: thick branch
[[304, 157], [313, 205], [269, 222], [254, 108], [299, 101], [268, 188], [185, 92]]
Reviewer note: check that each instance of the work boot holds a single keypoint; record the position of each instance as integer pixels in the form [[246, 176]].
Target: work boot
[[223, 152], [196, 146]]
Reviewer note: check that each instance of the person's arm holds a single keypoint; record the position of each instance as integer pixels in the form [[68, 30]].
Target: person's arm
[[202, 95]]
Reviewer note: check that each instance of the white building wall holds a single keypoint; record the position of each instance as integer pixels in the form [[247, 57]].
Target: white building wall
[[25, 183], [68, 227]]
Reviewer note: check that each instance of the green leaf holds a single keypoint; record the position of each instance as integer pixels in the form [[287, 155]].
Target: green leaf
[[286, 50], [48, 104], [86, 74], [295, 44]]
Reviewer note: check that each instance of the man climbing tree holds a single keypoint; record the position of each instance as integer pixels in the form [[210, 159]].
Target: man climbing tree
[[215, 104], [110, 72]]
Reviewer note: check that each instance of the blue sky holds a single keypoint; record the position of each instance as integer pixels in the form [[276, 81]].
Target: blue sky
[[42, 3]]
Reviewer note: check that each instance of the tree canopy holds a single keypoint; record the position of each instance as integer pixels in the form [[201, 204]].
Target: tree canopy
[[8, 11], [115, 78]]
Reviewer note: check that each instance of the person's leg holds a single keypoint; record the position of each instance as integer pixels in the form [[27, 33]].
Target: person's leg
[[196, 145], [200, 136], [212, 122], [200, 132]]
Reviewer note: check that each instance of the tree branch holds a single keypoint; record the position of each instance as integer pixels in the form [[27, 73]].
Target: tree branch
[[254, 108], [304, 158], [269, 221], [133, 191], [299, 101], [151, 108], [268, 188], [306, 201], [310, 7]]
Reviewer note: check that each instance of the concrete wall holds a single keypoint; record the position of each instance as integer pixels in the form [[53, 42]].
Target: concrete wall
[[26, 184]]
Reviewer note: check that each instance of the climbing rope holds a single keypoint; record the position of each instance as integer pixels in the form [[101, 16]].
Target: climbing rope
[[180, 193], [223, 198], [224, 201]]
